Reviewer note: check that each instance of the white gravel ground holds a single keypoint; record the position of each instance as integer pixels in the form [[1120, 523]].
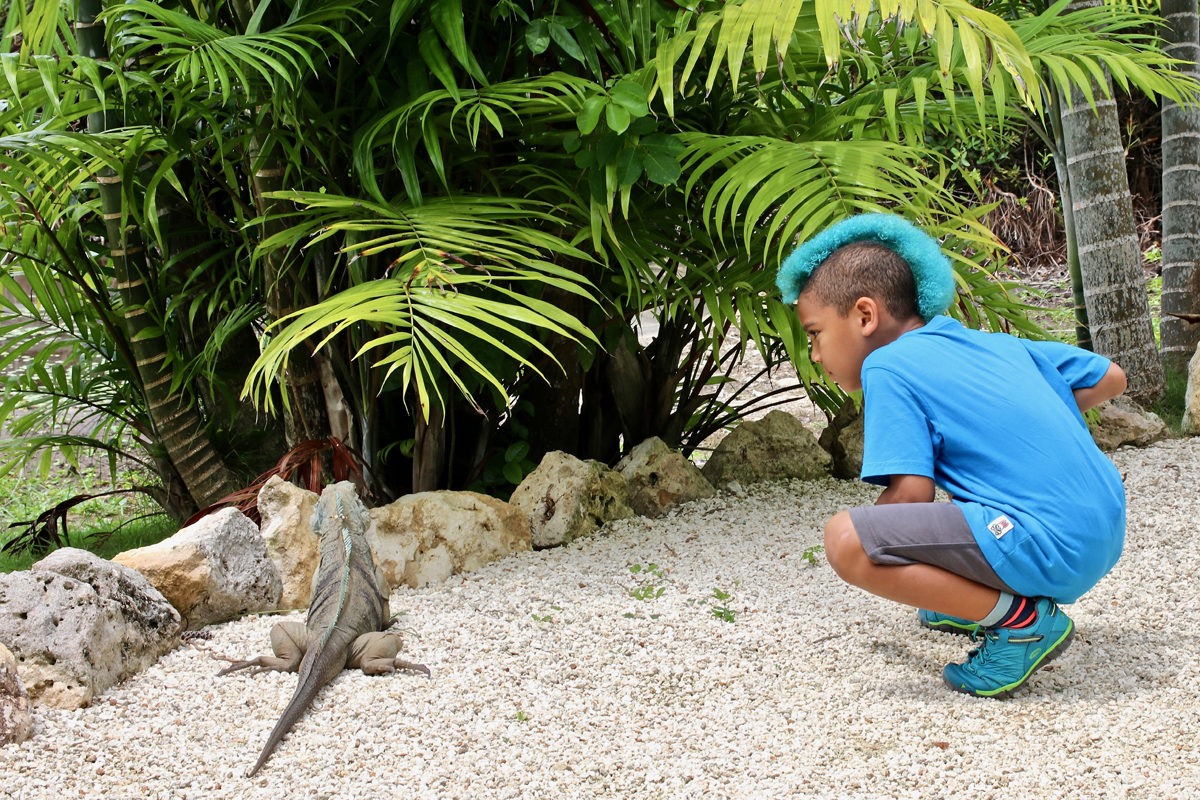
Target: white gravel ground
[[549, 680]]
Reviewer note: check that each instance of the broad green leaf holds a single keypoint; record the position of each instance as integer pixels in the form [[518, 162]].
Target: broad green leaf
[[563, 38], [513, 473], [537, 37], [661, 168], [642, 125], [607, 148], [589, 115], [667, 144], [516, 452], [617, 117], [632, 96], [629, 167]]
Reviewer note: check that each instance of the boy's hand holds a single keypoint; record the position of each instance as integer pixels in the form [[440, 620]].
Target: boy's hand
[[1111, 385], [907, 489]]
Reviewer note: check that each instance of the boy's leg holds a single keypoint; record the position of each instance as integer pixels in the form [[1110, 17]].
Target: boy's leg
[[919, 585], [1018, 635]]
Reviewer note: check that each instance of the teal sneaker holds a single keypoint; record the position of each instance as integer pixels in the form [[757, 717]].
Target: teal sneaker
[[945, 623], [1006, 657]]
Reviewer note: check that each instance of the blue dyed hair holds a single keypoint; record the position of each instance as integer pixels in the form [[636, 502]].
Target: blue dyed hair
[[930, 267]]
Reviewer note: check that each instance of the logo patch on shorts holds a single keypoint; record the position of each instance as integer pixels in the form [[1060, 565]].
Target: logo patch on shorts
[[1000, 526]]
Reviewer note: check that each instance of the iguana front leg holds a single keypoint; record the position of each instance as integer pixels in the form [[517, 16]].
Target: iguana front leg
[[289, 640], [375, 653]]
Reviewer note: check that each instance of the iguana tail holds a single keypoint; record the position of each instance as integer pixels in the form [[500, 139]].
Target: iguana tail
[[319, 667]]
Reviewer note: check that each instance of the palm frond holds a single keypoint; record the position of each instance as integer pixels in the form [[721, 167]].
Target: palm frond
[[199, 54], [463, 274]]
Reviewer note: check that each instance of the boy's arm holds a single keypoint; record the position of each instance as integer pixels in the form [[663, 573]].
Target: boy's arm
[[1111, 385], [907, 489]]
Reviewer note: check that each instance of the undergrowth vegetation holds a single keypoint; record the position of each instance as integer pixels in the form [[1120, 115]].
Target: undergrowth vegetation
[[106, 526]]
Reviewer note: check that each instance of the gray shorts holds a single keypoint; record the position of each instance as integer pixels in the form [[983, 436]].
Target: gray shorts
[[924, 533]]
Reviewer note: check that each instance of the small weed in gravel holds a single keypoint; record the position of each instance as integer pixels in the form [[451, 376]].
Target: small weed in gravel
[[651, 582], [723, 611], [810, 553]]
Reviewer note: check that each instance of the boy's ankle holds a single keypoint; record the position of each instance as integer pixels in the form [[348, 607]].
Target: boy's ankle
[[1011, 611]]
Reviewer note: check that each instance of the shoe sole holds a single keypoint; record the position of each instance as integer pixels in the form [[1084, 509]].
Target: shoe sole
[[1006, 692], [949, 627]]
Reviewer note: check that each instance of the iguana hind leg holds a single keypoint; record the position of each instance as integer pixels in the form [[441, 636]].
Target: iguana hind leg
[[289, 640], [375, 653]]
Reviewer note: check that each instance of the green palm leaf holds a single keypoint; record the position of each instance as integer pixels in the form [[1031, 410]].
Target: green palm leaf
[[463, 274]]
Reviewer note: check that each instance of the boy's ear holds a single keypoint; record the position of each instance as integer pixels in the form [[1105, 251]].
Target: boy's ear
[[867, 311]]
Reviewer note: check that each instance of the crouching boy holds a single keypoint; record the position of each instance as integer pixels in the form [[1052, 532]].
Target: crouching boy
[[1038, 512]]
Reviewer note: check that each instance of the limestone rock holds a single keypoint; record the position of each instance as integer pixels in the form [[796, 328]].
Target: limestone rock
[[16, 721], [1191, 407], [843, 440], [660, 478], [286, 512], [776, 447], [424, 538], [566, 498], [212, 571], [1123, 421], [78, 625]]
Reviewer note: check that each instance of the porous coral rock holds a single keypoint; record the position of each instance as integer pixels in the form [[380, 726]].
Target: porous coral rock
[[212, 571], [78, 625], [16, 721], [566, 498], [1123, 421], [776, 447], [286, 512], [422, 539], [660, 478]]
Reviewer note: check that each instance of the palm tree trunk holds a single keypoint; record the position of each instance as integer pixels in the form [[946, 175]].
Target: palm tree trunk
[[1110, 258], [557, 397], [305, 414], [1083, 333], [177, 425], [1180, 194], [429, 450]]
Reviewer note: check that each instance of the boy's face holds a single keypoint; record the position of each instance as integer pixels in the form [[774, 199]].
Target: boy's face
[[841, 343]]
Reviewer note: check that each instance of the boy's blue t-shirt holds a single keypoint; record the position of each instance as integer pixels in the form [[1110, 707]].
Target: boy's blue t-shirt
[[992, 420]]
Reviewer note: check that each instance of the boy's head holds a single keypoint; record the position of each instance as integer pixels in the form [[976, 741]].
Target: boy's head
[[862, 283], [864, 269]]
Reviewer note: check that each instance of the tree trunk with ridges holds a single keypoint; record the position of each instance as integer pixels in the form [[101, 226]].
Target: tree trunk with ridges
[[177, 425], [556, 398], [1110, 258], [1083, 333], [1180, 194], [429, 450], [305, 413]]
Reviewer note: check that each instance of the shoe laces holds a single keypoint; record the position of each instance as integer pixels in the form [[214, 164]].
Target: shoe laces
[[979, 656]]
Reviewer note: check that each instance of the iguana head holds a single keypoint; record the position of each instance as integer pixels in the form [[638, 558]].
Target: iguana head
[[339, 508]]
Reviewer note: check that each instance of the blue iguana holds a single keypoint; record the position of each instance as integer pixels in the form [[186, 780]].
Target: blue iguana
[[346, 619]]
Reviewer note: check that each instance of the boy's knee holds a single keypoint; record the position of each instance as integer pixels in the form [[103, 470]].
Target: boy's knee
[[843, 549]]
